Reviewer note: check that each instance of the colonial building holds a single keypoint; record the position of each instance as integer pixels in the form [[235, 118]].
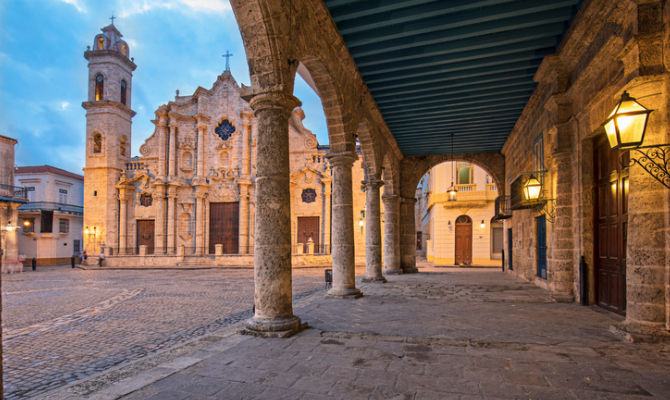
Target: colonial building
[[11, 197], [458, 227], [51, 221], [190, 197]]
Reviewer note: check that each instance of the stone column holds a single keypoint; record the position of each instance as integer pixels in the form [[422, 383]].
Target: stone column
[[273, 315], [561, 258], [162, 141], [407, 235], [159, 239], [344, 272], [123, 220], [201, 149], [325, 239], [244, 217], [373, 234], [391, 234], [171, 211], [172, 162], [200, 193]]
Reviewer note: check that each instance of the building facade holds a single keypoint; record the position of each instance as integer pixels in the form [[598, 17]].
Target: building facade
[[11, 197], [189, 198], [458, 230], [51, 223]]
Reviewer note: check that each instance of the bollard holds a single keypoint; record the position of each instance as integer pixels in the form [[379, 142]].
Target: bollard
[[328, 275], [72, 261], [34, 262]]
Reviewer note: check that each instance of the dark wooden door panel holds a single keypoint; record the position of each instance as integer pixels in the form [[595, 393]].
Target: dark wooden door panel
[[224, 227], [308, 228], [611, 216], [145, 235], [463, 242]]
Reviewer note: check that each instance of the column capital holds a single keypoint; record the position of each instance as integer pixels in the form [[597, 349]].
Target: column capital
[[373, 183], [408, 199], [344, 159], [274, 100]]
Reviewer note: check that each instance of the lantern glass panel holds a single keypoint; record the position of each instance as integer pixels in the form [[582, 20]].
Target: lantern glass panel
[[532, 189]]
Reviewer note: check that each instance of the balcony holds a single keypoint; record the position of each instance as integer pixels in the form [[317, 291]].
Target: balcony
[[11, 193], [503, 208], [52, 206]]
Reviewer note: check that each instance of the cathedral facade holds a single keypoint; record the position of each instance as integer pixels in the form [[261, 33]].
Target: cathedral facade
[[189, 198]]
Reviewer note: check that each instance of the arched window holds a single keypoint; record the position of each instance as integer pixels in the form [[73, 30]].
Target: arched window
[[122, 146], [124, 50], [123, 91], [101, 43], [99, 86], [97, 143]]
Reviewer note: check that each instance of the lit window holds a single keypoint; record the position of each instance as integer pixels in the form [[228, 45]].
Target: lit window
[[99, 86], [101, 43], [28, 225], [97, 143]]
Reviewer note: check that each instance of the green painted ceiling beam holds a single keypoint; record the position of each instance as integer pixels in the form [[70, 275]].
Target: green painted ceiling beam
[[516, 80], [450, 100]]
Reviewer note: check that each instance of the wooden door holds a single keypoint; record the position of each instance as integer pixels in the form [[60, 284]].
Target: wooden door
[[611, 218], [541, 243], [308, 227], [463, 240], [145, 235], [224, 227]]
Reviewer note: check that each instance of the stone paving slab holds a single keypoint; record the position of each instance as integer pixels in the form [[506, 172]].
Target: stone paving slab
[[457, 335]]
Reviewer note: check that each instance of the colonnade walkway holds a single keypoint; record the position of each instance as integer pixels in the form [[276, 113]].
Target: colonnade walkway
[[440, 334]]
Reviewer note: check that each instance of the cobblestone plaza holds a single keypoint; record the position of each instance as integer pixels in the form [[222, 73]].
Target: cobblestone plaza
[[441, 334]]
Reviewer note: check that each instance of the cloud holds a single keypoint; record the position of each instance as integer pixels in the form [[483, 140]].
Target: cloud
[[64, 105], [197, 6], [76, 4]]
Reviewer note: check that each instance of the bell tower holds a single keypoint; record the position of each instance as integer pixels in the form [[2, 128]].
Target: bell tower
[[108, 134]]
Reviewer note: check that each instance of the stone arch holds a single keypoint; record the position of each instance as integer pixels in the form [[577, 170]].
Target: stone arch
[[370, 148], [265, 44], [390, 174], [340, 132], [413, 168]]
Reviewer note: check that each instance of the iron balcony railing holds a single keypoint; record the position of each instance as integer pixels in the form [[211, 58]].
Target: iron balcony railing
[[52, 206], [503, 207], [16, 192]]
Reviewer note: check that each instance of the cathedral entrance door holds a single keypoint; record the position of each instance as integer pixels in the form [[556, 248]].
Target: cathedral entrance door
[[308, 227], [224, 227], [463, 240], [145, 235], [611, 218]]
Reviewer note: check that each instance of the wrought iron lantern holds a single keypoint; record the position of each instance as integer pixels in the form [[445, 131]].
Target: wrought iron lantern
[[627, 123], [532, 189], [452, 192]]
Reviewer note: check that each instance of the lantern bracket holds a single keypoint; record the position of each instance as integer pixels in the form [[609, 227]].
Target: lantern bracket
[[548, 208], [655, 159]]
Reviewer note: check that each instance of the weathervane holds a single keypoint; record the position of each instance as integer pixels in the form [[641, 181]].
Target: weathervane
[[227, 57]]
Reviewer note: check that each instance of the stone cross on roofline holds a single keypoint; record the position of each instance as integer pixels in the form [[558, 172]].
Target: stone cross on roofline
[[112, 18], [227, 57]]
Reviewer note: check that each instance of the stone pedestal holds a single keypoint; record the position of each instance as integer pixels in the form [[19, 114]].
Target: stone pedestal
[[143, 250], [391, 234], [218, 249], [373, 234], [273, 315], [407, 236], [171, 215], [344, 272]]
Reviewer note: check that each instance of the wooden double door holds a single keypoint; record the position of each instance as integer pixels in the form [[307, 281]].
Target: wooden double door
[[224, 226], [145, 235], [463, 245], [308, 228], [610, 227]]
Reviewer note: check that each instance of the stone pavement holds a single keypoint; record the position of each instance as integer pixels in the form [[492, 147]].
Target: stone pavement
[[441, 334], [62, 325]]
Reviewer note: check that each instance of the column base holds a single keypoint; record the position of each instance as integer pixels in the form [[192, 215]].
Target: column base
[[349, 293], [374, 279], [410, 270], [639, 333], [273, 327], [397, 271]]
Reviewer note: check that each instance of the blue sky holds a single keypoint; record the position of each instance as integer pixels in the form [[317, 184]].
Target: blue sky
[[177, 44]]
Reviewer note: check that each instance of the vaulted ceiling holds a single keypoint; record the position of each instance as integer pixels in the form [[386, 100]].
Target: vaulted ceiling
[[443, 67]]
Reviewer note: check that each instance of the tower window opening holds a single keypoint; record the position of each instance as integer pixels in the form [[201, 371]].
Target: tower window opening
[[97, 143], [123, 91], [101, 43], [124, 50], [99, 86], [122, 146]]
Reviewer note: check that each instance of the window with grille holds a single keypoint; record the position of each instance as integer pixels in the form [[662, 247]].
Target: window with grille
[[62, 196], [63, 225]]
